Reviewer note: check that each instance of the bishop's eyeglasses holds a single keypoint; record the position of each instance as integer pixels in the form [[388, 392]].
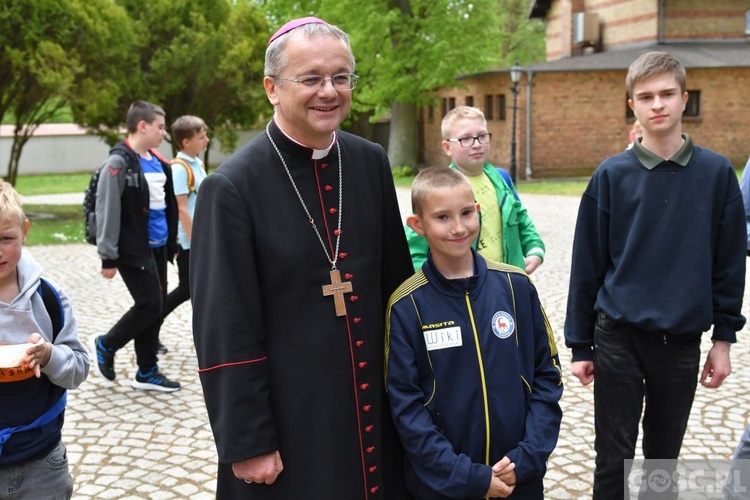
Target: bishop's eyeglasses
[[467, 142], [313, 83]]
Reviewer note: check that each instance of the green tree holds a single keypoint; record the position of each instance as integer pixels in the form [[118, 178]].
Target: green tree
[[51, 53], [198, 57], [519, 37], [408, 48]]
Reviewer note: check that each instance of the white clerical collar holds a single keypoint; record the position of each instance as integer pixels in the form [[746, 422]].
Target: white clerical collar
[[317, 154]]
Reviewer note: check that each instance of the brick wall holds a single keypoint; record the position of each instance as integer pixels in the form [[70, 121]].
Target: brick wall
[[559, 29], [724, 125], [578, 119], [625, 22], [698, 19]]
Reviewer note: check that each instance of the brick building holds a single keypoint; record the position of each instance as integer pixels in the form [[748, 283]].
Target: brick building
[[572, 109]]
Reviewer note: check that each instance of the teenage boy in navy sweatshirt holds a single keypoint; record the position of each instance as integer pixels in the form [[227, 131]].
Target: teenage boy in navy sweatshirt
[[472, 369], [658, 259]]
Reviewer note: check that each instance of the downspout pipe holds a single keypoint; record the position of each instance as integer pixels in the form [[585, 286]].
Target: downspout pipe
[[527, 133], [661, 38]]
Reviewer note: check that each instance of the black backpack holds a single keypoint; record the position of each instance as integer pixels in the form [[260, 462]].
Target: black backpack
[[89, 200], [89, 207], [53, 304]]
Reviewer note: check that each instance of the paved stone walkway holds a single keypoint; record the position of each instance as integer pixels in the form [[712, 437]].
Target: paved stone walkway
[[126, 443]]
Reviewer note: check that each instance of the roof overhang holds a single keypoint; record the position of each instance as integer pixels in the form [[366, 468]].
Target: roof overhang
[[692, 55], [539, 9]]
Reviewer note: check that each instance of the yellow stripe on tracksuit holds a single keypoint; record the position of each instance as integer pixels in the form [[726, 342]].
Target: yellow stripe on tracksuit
[[484, 380], [499, 266], [407, 287]]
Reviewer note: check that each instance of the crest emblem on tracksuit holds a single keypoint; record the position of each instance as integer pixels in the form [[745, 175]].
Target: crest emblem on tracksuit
[[503, 324]]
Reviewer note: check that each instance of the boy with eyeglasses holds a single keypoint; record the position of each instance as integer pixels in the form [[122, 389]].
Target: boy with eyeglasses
[[507, 233]]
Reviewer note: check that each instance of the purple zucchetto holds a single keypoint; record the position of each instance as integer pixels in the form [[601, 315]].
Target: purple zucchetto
[[295, 23]]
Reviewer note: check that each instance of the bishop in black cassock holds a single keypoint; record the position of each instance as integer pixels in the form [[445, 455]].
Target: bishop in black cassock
[[280, 370]]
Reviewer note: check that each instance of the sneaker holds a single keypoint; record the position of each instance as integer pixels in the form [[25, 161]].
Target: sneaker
[[162, 349], [105, 358], [154, 381]]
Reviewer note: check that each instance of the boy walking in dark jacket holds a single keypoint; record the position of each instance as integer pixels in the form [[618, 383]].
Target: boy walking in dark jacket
[[472, 370], [136, 218]]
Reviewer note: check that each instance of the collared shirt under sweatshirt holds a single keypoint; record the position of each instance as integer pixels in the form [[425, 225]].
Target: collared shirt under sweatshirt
[[659, 245]]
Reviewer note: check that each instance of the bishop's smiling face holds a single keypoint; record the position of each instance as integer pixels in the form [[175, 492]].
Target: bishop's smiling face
[[311, 115]]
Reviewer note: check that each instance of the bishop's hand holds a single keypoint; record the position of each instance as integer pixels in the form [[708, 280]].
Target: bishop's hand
[[263, 469]]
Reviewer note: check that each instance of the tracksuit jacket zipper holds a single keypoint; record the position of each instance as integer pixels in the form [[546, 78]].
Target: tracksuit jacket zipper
[[480, 362]]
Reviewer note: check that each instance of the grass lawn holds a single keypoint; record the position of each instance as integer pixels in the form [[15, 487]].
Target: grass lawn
[[29, 185], [54, 224]]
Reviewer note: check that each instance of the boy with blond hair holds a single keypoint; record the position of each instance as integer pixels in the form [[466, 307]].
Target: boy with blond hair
[[507, 233], [40, 359], [472, 369], [190, 135], [658, 259]]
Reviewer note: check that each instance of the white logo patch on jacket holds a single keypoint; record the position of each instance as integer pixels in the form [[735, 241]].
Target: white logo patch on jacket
[[443, 338]]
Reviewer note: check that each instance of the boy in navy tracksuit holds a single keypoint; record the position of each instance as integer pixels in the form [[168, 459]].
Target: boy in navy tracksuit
[[471, 365]]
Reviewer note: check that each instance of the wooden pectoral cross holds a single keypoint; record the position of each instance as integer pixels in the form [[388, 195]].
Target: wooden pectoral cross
[[337, 288]]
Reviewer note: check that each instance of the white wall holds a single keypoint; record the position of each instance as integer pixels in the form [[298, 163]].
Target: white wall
[[66, 148]]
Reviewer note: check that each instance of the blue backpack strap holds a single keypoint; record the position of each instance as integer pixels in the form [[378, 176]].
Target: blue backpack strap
[[508, 180], [45, 418], [53, 304]]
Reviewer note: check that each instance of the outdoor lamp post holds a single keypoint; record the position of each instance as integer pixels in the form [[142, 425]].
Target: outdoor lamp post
[[515, 77]]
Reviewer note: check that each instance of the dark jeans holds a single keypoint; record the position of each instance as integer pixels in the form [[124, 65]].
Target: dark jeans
[[629, 364], [141, 323], [182, 292]]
